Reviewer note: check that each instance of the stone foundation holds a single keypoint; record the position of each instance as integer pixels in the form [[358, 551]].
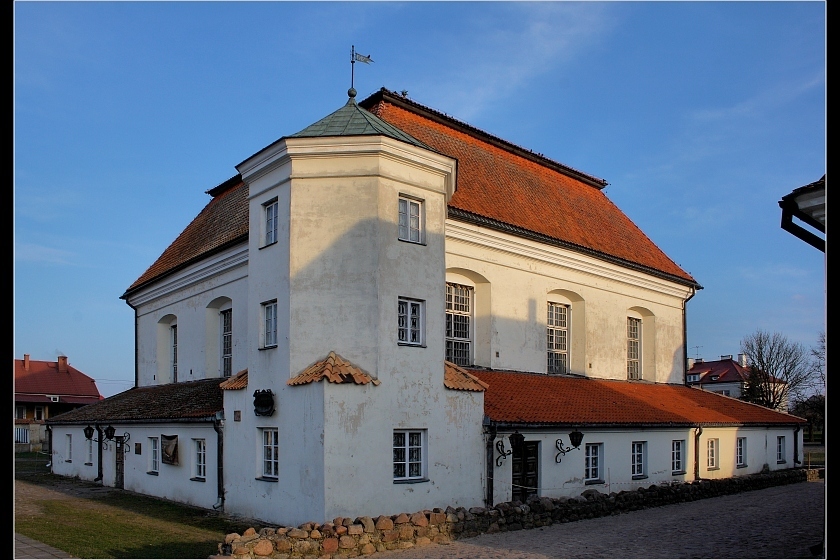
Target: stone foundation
[[354, 537]]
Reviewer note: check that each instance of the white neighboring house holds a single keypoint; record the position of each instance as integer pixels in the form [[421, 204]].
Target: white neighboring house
[[392, 311]]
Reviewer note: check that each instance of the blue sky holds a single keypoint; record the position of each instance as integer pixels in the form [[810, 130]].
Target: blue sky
[[700, 115]]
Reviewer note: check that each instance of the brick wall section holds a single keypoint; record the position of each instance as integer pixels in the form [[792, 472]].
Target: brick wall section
[[348, 538]]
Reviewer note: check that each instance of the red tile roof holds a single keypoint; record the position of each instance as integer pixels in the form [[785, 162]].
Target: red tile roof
[[222, 223], [190, 400], [719, 371], [523, 398], [500, 185], [236, 382], [44, 378], [504, 183], [456, 377], [334, 369]]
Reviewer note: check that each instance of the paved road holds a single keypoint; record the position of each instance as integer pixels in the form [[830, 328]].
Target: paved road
[[779, 522]]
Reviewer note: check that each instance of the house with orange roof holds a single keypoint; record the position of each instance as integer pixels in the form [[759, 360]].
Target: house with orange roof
[[728, 377], [44, 389], [391, 311]]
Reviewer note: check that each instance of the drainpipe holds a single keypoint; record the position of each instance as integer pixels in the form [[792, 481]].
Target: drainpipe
[[218, 424], [685, 335], [136, 346], [99, 453], [697, 431], [490, 430], [796, 460]]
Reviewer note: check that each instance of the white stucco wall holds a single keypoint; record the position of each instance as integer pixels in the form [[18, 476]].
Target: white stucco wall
[[521, 276], [193, 297]]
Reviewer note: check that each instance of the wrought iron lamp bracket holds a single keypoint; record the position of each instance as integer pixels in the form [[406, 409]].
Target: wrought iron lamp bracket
[[563, 450], [500, 447]]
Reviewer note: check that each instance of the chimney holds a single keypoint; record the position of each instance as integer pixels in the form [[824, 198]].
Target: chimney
[[690, 363], [62, 364], [726, 357], [742, 360], [26, 362]]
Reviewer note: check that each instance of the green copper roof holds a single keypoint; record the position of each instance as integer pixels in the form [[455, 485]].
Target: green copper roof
[[352, 120]]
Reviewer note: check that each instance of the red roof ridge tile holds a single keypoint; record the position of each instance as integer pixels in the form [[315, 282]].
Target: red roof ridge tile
[[236, 382], [459, 379], [334, 369]]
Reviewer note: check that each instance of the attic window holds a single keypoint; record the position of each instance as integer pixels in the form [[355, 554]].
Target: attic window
[[53, 398], [715, 377]]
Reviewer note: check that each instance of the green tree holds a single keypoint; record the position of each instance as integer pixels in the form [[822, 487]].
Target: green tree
[[780, 370]]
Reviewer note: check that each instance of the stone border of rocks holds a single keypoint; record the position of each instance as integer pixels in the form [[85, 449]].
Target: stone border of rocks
[[346, 537]]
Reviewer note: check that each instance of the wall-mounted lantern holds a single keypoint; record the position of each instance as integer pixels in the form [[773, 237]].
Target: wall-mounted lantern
[[575, 438], [516, 439], [110, 433], [263, 402]]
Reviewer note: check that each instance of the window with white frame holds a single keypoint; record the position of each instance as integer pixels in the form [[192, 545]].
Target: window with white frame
[[557, 327], [638, 459], [410, 321], [200, 458], [154, 455], [693, 377], [409, 455], [39, 413], [712, 453], [20, 412], [459, 305], [411, 220], [226, 343], [270, 453], [741, 452], [270, 209], [89, 460], [634, 348], [269, 324], [592, 465], [68, 457], [677, 460], [173, 345], [780, 449]]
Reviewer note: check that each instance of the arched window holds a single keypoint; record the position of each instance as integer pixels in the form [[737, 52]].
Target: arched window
[[564, 332], [641, 334], [167, 349], [467, 336], [219, 323]]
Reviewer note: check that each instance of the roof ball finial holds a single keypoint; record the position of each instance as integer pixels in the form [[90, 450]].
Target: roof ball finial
[[351, 92]]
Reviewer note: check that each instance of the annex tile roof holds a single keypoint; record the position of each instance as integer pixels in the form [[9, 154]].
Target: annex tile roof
[[334, 369], [719, 371], [352, 120], [524, 398], [33, 382], [222, 223], [501, 184], [188, 400], [456, 377], [236, 382]]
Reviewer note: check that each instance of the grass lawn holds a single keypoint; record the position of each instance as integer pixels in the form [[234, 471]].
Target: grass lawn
[[118, 524]]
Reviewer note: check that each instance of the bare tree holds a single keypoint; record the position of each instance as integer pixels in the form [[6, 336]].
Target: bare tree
[[818, 359], [780, 370]]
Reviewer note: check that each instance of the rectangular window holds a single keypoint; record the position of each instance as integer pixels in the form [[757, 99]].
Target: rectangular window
[[39, 413], [677, 450], [270, 324], [270, 211], [741, 452], [69, 454], [558, 337], [459, 324], [174, 339], [20, 412], [226, 318], [592, 470], [409, 455], [780, 449], [154, 454], [200, 470], [410, 321], [270, 453], [637, 459], [693, 377], [89, 460], [634, 339], [712, 453], [411, 220]]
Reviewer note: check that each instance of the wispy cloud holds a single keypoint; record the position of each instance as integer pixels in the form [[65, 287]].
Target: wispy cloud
[[30, 252]]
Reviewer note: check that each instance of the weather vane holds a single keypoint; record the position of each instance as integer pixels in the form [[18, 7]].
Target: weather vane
[[354, 56]]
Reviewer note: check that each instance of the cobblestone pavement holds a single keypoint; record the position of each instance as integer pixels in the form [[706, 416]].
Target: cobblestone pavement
[[779, 522]]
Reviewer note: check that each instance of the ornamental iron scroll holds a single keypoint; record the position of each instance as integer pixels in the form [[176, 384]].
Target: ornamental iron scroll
[[516, 439], [575, 438], [263, 402]]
